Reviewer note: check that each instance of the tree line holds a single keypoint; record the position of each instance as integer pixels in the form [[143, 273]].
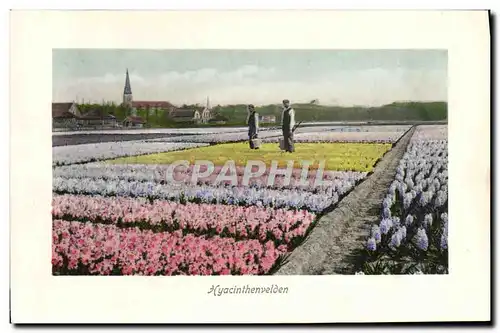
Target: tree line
[[235, 115], [309, 112]]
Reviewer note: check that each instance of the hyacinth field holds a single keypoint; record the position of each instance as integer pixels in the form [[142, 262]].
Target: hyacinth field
[[358, 157], [412, 235], [130, 207]]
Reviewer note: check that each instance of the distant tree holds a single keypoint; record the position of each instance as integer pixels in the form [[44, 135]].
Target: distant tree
[[220, 117], [111, 108]]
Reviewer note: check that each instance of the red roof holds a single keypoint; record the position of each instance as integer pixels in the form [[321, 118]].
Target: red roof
[[156, 104]]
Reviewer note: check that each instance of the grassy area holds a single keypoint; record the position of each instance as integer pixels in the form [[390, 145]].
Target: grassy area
[[337, 156]]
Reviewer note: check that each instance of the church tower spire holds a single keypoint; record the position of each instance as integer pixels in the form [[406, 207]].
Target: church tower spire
[[127, 91]]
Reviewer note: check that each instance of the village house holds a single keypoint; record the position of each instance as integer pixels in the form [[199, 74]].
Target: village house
[[206, 113], [134, 122], [97, 117], [65, 115], [198, 115], [267, 119], [185, 115]]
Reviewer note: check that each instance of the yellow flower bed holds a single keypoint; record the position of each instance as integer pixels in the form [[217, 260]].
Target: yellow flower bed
[[337, 156]]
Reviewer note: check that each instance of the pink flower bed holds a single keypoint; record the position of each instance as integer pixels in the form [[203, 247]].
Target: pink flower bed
[[87, 248], [264, 224]]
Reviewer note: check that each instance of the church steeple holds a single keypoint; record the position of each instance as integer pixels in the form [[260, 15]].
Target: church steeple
[[127, 90]]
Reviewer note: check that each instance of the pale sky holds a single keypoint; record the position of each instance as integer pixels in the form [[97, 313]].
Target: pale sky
[[338, 77]]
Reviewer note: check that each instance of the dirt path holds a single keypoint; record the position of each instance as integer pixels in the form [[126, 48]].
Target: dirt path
[[338, 234]]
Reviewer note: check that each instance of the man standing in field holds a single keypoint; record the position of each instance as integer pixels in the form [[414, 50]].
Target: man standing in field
[[253, 126], [287, 125]]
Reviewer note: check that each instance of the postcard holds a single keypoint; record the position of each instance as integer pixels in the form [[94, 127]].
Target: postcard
[[200, 167]]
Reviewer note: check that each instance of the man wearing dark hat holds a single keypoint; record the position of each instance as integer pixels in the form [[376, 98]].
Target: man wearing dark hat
[[287, 125], [253, 126]]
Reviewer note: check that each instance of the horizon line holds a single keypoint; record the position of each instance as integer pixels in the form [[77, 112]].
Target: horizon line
[[102, 102]]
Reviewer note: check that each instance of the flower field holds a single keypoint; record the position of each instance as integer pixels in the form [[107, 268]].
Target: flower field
[[351, 134], [128, 208], [65, 155], [412, 235], [89, 249], [216, 138], [337, 156], [278, 225]]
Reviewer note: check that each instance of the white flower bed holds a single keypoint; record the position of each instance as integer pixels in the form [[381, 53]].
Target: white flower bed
[[232, 195], [430, 132], [217, 138], [355, 137], [63, 155], [381, 128], [313, 129], [159, 173]]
